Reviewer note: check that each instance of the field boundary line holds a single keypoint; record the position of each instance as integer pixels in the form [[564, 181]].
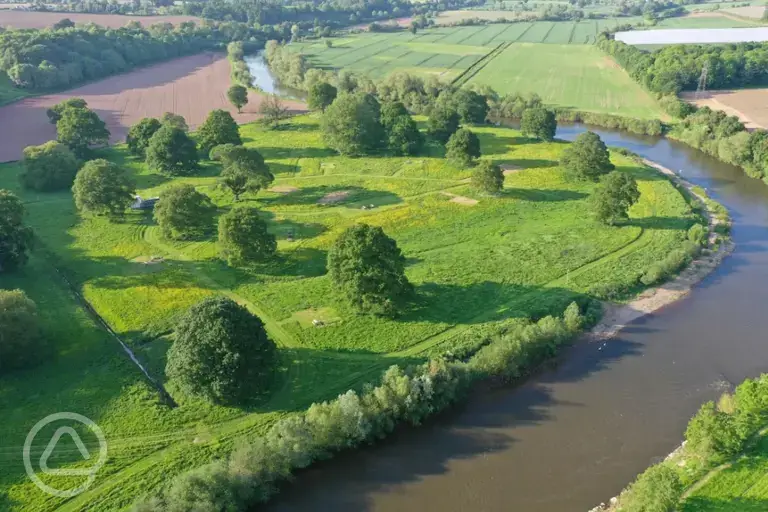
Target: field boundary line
[[475, 68], [573, 32], [544, 39]]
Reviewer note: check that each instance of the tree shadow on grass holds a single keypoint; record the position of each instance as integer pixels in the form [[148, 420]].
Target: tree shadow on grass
[[676, 223], [543, 195], [736, 503], [493, 144], [527, 163], [334, 195], [271, 152]]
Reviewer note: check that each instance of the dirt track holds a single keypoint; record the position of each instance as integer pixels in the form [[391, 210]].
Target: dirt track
[[30, 19], [190, 86]]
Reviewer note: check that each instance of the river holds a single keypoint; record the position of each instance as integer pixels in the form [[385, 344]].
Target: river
[[263, 79], [576, 434]]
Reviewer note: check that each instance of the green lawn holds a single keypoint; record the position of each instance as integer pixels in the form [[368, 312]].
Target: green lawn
[[527, 253], [578, 77], [8, 92]]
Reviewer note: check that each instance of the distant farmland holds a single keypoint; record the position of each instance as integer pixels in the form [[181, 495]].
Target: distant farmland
[[28, 19], [503, 56]]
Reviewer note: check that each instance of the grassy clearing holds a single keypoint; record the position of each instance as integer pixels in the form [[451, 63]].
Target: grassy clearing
[[527, 253], [578, 77], [8, 92]]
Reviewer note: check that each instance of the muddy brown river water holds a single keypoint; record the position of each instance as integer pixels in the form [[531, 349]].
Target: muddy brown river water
[[576, 434]]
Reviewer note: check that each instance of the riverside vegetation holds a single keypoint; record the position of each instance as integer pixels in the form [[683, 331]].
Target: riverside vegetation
[[475, 303]]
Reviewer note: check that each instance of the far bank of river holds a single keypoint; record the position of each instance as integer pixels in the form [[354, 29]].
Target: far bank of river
[[578, 433], [264, 81]]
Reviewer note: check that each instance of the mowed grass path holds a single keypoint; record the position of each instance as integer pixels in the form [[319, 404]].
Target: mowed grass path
[[571, 76], [526, 253]]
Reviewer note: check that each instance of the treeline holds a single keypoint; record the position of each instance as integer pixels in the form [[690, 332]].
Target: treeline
[[58, 58], [676, 68], [241, 73], [716, 433], [252, 472]]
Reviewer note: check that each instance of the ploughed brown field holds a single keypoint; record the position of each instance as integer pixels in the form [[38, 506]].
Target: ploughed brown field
[[30, 19], [189, 86], [749, 105]]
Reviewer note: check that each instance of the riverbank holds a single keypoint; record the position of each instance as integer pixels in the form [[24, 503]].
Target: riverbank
[[618, 316]]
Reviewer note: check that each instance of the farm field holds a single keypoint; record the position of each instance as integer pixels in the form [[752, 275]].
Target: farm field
[[714, 19], [190, 86], [471, 259], [693, 36], [579, 77], [29, 19], [752, 11], [749, 105]]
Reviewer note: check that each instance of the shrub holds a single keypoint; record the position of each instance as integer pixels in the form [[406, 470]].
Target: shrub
[[657, 489], [20, 335], [50, 166], [488, 177], [221, 351], [698, 234], [15, 238]]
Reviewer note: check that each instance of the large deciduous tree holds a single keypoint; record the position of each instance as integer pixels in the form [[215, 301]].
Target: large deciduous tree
[[351, 124], [218, 128], [243, 237], [140, 134], [443, 122], [222, 352], [50, 166], [586, 158], [470, 106], [54, 113], [171, 151], [174, 120], [15, 237], [404, 137], [183, 213], [368, 268], [20, 335], [81, 128], [463, 147], [321, 95], [244, 169], [613, 197], [539, 123], [103, 188], [238, 96], [488, 178]]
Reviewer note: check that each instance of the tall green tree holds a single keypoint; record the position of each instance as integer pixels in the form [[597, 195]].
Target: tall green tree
[[54, 113], [15, 237], [391, 111], [103, 188], [615, 194], [368, 268], [243, 237], [404, 137], [184, 213], [245, 173], [488, 178], [238, 96], [20, 336], [218, 128], [539, 123], [586, 158], [140, 134], [222, 352], [463, 147], [80, 128], [171, 151], [50, 166], [351, 125], [443, 122], [470, 106], [174, 120], [321, 95]]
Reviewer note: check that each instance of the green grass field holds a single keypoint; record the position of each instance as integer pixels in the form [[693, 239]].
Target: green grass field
[[527, 253], [8, 92]]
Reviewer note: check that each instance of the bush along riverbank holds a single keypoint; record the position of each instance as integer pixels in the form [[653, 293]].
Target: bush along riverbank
[[253, 472], [241, 74], [725, 448]]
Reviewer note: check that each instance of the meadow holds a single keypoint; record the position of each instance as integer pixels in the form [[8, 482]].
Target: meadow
[[478, 263]]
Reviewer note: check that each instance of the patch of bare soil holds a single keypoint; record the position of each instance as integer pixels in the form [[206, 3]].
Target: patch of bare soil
[[190, 86], [283, 189], [334, 197], [508, 169], [33, 19], [618, 316], [466, 201], [749, 105]]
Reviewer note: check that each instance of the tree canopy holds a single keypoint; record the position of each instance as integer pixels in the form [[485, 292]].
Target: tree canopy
[[222, 352], [218, 128], [183, 213], [80, 128], [443, 122], [103, 188], [243, 237], [15, 237], [487, 177], [539, 123], [244, 169], [351, 124], [50, 166], [613, 197], [20, 336], [321, 95], [463, 147], [367, 267], [238, 96], [586, 158], [171, 151], [54, 113], [140, 134], [404, 137]]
